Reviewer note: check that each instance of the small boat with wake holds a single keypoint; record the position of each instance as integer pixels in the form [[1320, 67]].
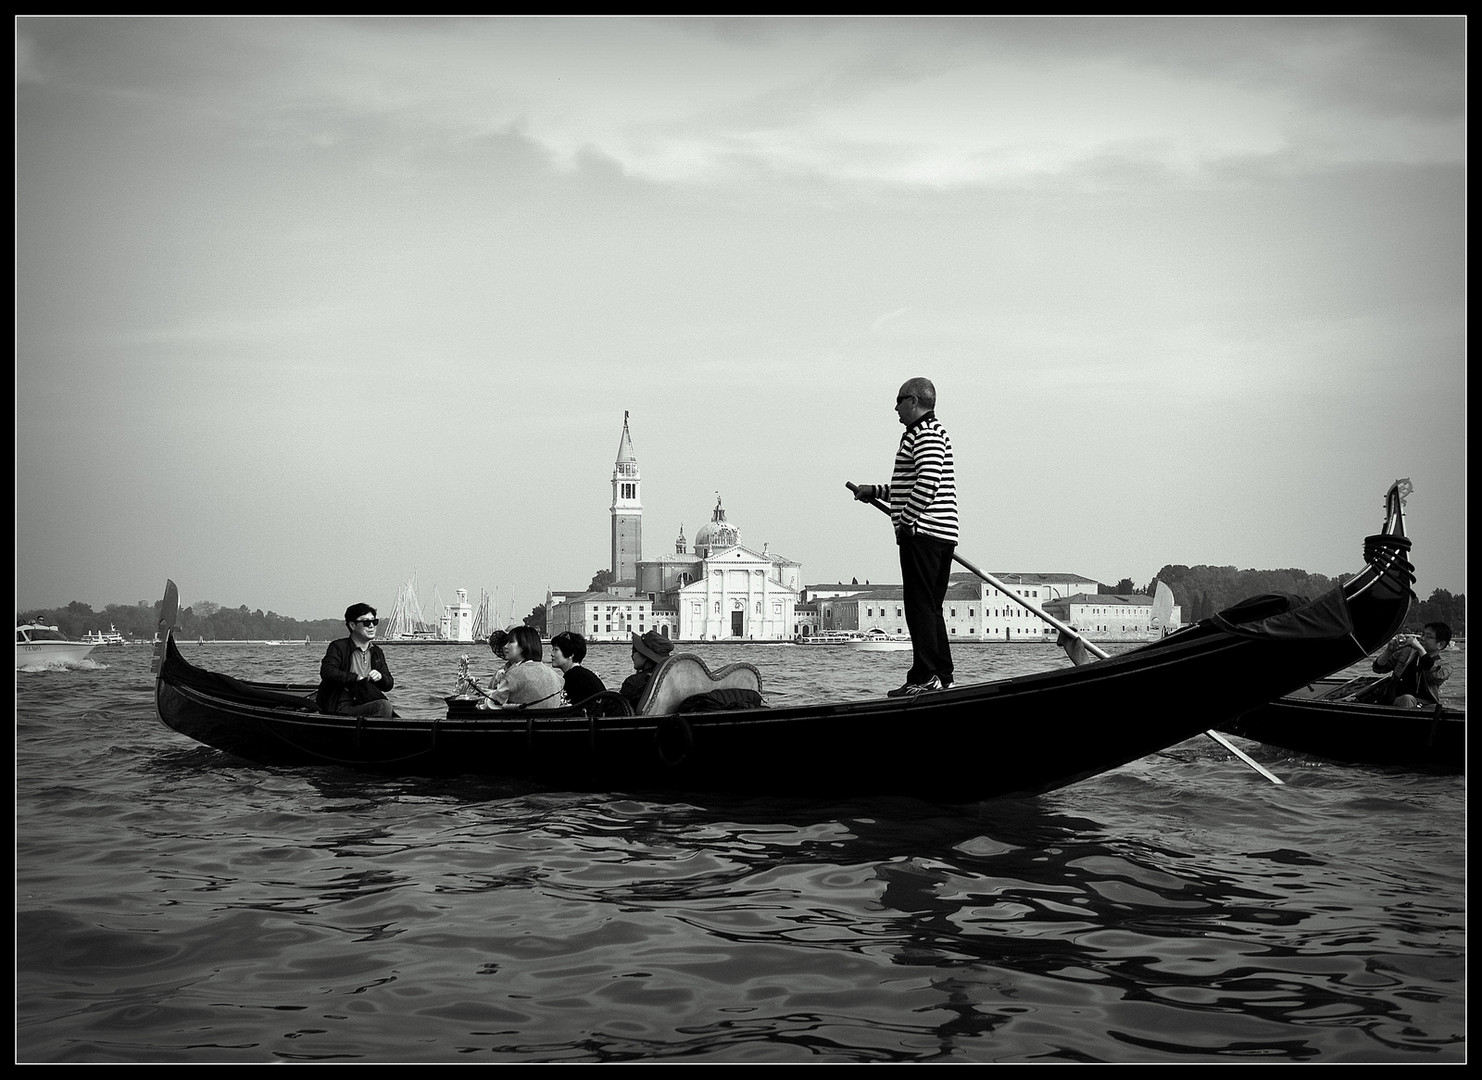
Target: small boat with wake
[[37, 645]]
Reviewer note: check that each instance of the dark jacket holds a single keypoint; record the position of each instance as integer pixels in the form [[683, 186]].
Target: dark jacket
[[582, 683], [340, 687], [634, 686]]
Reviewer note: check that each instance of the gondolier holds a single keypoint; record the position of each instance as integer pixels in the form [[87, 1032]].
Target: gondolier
[[922, 495]]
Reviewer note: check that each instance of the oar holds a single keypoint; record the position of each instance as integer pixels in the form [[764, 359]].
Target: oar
[[1071, 632]]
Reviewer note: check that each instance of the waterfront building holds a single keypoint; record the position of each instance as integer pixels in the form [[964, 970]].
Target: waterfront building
[[973, 610], [1111, 616], [455, 622], [605, 616], [1001, 618]]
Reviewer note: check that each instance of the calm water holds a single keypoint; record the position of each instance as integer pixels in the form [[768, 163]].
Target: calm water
[[176, 905]]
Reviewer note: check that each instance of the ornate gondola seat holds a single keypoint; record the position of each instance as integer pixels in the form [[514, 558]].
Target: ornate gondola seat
[[685, 675]]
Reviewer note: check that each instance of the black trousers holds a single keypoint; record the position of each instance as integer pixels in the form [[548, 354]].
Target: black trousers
[[926, 566]]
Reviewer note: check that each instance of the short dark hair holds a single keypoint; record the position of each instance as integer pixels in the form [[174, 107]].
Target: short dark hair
[[528, 639], [923, 391], [1443, 632], [570, 644], [497, 641], [355, 611]]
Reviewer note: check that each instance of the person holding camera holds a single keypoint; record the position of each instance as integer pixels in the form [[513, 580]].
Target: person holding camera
[[1416, 666]]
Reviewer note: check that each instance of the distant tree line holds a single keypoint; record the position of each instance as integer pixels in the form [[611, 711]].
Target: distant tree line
[[204, 619], [1201, 591], [209, 620]]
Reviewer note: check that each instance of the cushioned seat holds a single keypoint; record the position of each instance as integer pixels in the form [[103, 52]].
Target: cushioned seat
[[684, 675]]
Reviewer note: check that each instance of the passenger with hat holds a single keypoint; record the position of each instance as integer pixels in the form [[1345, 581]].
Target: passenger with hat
[[649, 651]]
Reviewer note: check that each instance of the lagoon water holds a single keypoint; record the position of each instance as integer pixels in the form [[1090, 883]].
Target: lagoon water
[[177, 905]]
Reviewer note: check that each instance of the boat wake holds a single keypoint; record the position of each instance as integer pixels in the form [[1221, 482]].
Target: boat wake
[[87, 663]]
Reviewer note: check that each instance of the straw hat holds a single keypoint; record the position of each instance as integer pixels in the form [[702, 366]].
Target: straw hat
[[653, 646]]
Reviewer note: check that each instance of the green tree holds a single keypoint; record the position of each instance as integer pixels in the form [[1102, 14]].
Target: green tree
[[600, 581], [1442, 606], [536, 619]]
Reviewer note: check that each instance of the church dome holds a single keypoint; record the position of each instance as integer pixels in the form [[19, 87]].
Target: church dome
[[717, 534]]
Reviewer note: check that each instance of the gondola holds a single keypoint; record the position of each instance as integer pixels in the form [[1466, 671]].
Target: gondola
[[1019, 736], [1345, 720]]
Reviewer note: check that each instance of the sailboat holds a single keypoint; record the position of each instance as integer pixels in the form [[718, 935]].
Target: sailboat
[[407, 623]]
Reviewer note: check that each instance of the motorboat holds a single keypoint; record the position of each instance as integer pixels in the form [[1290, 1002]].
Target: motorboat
[[878, 640], [38, 645], [828, 637], [100, 637]]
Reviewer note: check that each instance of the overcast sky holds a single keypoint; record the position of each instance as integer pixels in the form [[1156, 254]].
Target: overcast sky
[[307, 306]]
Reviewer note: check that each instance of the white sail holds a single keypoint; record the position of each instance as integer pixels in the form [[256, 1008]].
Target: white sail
[[407, 621]]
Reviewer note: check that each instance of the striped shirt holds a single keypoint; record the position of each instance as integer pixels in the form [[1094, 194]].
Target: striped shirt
[[922, 492]]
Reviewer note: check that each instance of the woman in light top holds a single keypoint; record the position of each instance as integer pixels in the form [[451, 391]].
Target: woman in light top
[[527, 681]]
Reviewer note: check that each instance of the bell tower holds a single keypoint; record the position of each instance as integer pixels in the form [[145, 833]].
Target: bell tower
[[627, 513]]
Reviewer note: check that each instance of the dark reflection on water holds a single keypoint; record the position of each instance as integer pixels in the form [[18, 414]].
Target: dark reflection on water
[[174, 905]]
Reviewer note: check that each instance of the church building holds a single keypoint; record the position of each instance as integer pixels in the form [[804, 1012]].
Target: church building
[[721, 590]]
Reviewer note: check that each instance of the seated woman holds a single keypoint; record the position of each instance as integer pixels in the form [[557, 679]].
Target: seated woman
[[568, 650], [527, 681], [498, 640], [649, 651]]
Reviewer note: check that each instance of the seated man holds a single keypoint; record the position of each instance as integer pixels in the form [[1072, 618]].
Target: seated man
[[1417, 667], [353, 676]]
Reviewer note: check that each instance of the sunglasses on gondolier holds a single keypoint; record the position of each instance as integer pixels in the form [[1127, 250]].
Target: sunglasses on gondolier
[[367, 622], [905, 397]]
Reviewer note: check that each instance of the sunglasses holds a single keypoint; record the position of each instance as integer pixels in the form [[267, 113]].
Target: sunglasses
[[367, 622], [905, 397]]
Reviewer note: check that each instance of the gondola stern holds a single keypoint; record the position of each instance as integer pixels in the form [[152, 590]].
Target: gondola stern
[[168, 617]]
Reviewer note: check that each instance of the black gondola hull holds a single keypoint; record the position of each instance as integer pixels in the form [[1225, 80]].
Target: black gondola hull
[[1357, 732], [1018, 736]]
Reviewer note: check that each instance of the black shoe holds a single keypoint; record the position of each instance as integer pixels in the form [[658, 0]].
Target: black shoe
[[912, 689]]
